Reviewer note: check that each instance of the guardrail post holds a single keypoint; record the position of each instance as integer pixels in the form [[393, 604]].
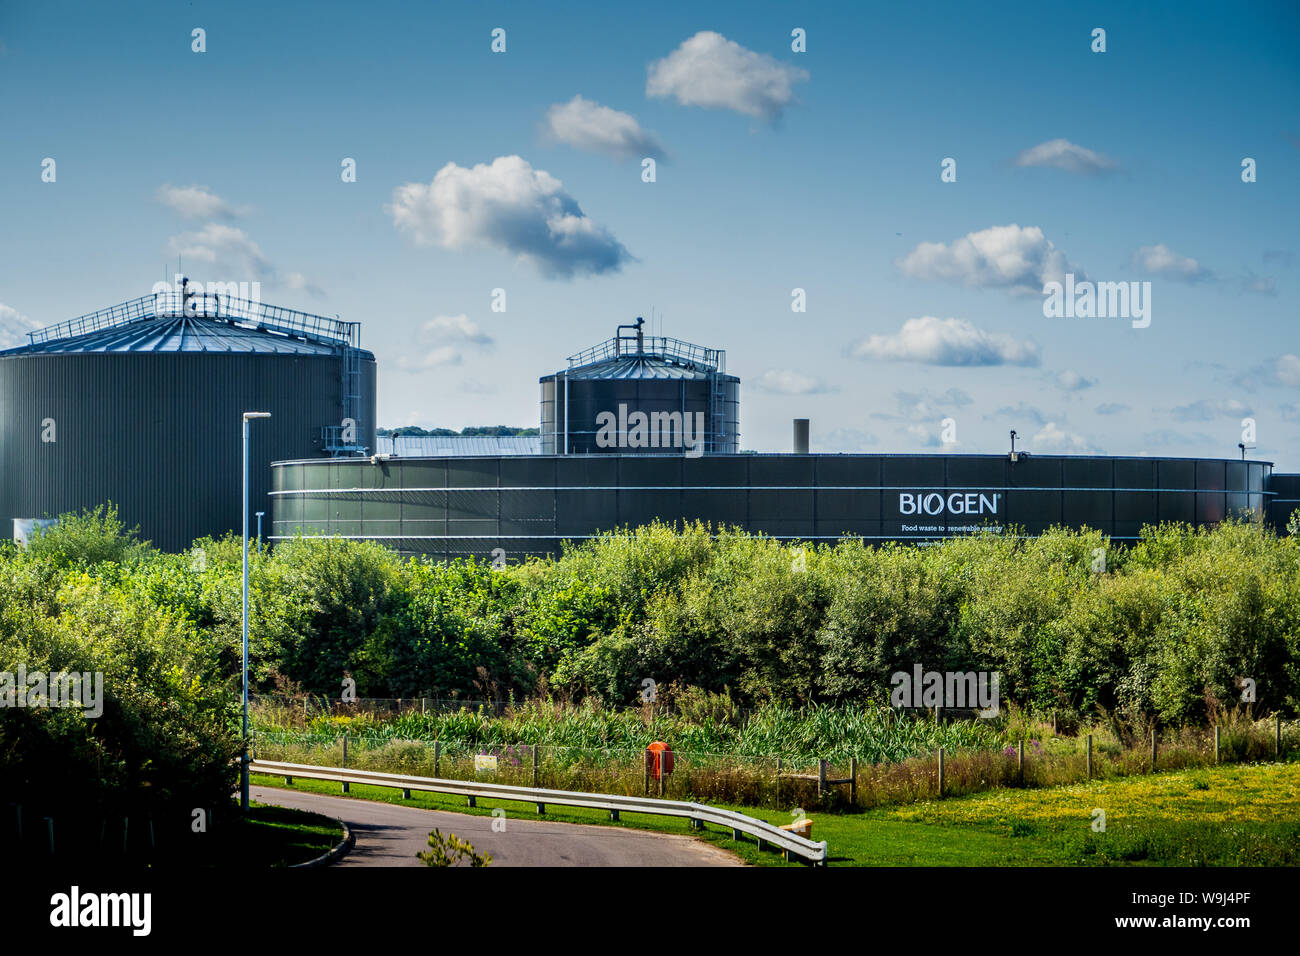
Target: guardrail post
[[345, 760], [613, 815], [1090, 756], [473, 801], [541, 808], [941, 771], [406, 794]]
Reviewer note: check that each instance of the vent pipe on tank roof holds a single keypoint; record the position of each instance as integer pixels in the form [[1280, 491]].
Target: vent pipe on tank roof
[[801, 436]]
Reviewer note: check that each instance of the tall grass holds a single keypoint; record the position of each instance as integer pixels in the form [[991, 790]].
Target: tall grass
[[732, 756]]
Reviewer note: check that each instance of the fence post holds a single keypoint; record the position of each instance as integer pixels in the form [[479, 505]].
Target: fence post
[[778, 781], [1153, 750], [345, 760], [645, 782], [853, 781], [821, 777], [1020, 762], [437, 752], [663, 777], [1090, 756], [1277, 735], [534, 749], [1216, 743], [1053, 723], [941, 771]]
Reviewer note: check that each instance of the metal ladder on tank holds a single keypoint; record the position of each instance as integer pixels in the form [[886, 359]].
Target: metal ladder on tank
[[333, 434], [717, 414]]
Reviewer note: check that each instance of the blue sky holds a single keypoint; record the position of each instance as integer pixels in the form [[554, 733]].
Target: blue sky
[[777, 170]]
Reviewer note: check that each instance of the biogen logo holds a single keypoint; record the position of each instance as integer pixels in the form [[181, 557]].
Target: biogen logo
[[956, 503]]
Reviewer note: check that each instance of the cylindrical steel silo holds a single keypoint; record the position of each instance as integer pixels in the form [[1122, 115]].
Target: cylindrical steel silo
[[142, 405], [641, 394]]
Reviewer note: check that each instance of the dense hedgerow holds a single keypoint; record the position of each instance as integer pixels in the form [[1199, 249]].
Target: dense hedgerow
[[1165, 632]]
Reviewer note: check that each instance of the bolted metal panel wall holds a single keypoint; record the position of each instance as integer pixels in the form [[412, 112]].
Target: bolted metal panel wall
[[714, 398], [514, 507], [159, 433]]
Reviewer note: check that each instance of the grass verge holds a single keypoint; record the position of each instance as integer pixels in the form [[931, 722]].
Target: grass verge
[[1220, 816]]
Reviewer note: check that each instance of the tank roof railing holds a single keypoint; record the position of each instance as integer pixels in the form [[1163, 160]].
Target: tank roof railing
[[236, 311], [652, 346]]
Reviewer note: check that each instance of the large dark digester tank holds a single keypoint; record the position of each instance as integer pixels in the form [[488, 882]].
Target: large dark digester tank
[[141, 404], [642, 394]]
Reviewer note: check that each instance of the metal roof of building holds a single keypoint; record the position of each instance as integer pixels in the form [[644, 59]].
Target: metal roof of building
[[430, 446], [194, 322]]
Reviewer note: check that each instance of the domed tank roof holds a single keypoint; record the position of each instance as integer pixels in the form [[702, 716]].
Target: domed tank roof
[[640, 356], [193, 321]]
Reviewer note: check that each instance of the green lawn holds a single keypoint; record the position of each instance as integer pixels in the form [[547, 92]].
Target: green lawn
[[1240, 815]]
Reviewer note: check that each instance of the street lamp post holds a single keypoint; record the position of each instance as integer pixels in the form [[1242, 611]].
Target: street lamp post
[[243, 781]]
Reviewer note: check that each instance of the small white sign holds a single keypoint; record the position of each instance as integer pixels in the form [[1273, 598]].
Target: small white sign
[[484, 762]]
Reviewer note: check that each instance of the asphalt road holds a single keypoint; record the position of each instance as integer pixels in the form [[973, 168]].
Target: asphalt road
[[391, 835]]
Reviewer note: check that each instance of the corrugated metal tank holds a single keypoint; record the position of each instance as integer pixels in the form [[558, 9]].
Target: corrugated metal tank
[[146, 410], [689, 402]]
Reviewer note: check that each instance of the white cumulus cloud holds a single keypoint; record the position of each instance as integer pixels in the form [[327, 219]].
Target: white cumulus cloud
[[1205, 410], [1288, 369], [710, 71], [934, 341], [444, 339], [510, 206], [1161, 260], [1000, 257], [586, 124], [789, 382], [1072, 381], [14, 327], [195, 202], [1062, 154], [232, 255], [1054, 438]]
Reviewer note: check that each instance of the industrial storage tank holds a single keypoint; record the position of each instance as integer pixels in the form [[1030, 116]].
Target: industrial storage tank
[[141, 404], [641, 394]]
